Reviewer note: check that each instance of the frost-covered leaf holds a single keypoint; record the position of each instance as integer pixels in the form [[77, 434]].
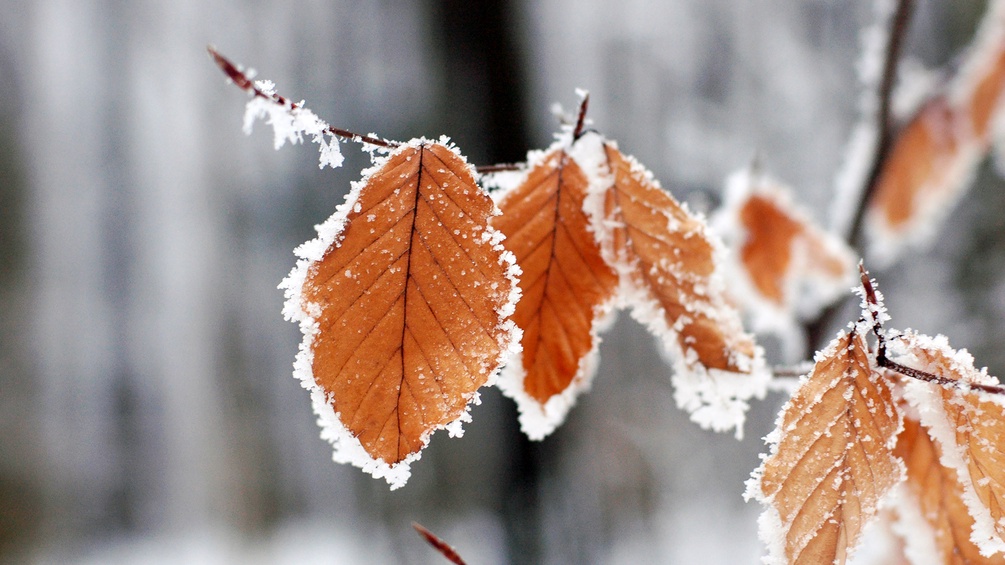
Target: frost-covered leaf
[[932, 518], [668, 263], [831, 460], [567, 288], [968, 425], [404, 300], [936, 155], [785, 265]]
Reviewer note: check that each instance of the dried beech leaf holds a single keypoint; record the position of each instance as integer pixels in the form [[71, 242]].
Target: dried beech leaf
[[403, 299], [968, 425], [567, 289], [936, 155], [668, 263], [831, 459], [935, 495], [792, 266]]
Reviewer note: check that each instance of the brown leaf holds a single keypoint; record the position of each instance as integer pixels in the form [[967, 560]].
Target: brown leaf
[[935, 156], [922, 168], [404, 309], [969, 426], [937, 495], [789, 260], [567, 287], [668, 257], [831, 460], [444, 549]]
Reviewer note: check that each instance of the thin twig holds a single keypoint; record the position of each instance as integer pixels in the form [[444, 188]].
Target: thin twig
[[882, 360], [933, 378], [884, 120], [438, 544], [815, 330], [872, 299], [246, 84], [501, 167]]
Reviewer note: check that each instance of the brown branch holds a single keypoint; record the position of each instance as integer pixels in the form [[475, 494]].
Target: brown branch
[[439, 545], [243, 82], [883, 361], [815, 330], [884, 121], [792, 371]]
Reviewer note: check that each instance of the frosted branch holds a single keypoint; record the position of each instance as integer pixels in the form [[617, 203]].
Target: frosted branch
[[290, 120]]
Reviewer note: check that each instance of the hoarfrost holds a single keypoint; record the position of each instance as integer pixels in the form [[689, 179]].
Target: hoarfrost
[[290, 123], [953, 132], [850, 179], [927, 400], [539, 420]]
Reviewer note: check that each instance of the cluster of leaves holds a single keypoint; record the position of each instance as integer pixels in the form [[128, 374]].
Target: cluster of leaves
[[434, 279], [864, 420]]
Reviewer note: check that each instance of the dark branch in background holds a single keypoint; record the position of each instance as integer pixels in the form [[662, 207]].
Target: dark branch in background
[[246, 84], [817, 330], [882, 360], [482, 102], [438, 544], [884, 120]]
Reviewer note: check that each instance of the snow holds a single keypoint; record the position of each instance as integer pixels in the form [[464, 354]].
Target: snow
[[982, 52], [912, 527], [807, 287], [291, 123], [851, 177], [346, 447], [927, 399]]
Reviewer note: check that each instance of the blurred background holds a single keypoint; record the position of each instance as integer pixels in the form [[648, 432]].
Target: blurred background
[[147, 408]]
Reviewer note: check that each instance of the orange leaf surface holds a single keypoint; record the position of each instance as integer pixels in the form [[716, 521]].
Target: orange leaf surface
[[791, 264], [831, 460], [403, 300], [935, 156], [567, 289], [668, 264], [969, 427], [922, 169], [935, 492]]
